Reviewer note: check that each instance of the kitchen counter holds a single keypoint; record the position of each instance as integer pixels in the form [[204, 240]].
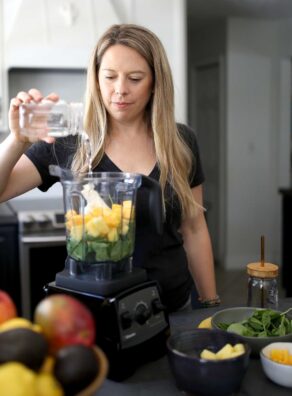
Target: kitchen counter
[[155, 378]]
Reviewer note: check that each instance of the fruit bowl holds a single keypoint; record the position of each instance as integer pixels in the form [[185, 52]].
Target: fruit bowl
[[238, 314], [279, 373], [198, 376], [91, 389]]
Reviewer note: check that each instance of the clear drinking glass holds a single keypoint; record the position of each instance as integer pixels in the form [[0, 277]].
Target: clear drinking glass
[[47, 118], [262, 292], [262, 285]]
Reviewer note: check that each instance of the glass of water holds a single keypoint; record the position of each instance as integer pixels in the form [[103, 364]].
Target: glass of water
[[47, 118]]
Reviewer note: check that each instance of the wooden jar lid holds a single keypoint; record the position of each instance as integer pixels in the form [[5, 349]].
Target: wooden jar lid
[[268, 270]]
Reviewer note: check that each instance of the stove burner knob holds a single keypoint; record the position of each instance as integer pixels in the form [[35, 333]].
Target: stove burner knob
[[157, 306], [126, 320], [27, 220], [42, 219], [142, 314]]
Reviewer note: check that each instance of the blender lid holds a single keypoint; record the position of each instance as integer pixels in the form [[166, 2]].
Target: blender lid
[[66, 174]]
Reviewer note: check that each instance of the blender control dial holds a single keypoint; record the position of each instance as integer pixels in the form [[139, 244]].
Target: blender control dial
[[157, 306], [126, 320], [142, 313]]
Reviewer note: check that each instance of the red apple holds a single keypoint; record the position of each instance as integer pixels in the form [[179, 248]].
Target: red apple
[[65, 321], [7, 307]]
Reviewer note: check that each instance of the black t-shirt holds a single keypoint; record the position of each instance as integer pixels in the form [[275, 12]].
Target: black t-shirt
[[163, 256]]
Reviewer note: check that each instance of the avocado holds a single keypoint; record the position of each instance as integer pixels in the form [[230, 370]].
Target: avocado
[[24, 346], [75, 367]]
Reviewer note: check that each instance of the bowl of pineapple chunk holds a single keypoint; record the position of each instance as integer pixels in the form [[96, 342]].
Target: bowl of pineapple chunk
[[276, 360], [208, 362]]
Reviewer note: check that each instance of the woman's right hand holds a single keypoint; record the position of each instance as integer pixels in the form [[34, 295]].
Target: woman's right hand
[[33, 95]]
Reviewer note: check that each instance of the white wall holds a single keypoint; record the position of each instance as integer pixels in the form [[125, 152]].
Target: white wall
[[54, 36], [48, 37], [254, 122], [257, 129]]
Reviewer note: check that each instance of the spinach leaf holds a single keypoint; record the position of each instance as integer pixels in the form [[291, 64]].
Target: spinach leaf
[[262, 323]]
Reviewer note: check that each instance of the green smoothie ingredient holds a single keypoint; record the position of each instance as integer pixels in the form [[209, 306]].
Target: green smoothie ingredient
[[262, 323]]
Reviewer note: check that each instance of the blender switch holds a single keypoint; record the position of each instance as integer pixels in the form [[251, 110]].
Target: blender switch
[[126, 320], [157, 306], [142, 314]]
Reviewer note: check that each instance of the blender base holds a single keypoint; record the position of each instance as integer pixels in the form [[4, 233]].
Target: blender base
[[131, 326]]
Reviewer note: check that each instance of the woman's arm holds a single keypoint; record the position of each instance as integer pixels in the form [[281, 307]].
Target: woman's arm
[[197, 244], [18, 174]]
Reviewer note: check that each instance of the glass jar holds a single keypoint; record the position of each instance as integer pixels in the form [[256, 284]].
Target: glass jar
[[47, 118], [262, 285]]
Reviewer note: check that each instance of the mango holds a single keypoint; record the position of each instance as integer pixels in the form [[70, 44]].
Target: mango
[[206, 323], [127, 208], [19, 322], [112, 235], [206, 354], [226, 352], [77, 233]]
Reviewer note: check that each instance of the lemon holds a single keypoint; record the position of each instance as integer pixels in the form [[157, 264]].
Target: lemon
[[19, 322], [206, 323], [47, 385], [17, 380]]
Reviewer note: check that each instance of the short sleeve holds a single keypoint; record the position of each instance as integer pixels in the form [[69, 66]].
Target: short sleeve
[[43, 154], [197, 176]]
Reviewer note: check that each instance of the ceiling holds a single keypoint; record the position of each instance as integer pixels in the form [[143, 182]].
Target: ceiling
[[214, 9]]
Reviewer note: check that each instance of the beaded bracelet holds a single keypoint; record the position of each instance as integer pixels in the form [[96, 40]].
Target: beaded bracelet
[[213, 302]]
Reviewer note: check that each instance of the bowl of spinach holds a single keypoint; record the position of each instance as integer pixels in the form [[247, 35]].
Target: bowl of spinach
[[258, 326]]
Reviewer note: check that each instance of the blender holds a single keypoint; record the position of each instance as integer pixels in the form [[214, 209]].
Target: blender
[[100, 218]]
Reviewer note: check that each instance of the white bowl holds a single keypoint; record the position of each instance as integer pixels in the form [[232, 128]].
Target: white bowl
[[279, 373]]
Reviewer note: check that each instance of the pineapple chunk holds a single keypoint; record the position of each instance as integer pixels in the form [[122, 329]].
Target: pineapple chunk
[[239, 348], [97, 227], [236, 353], [125, 226], [225, 352], [111, 219], [77, 232], [127, 209], [112, 235], [208, 355], [206, 323]]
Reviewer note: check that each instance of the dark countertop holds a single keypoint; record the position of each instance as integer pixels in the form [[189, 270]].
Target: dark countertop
[[155, 378]]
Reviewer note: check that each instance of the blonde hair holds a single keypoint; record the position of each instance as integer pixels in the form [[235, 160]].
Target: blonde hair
[[173, 155]]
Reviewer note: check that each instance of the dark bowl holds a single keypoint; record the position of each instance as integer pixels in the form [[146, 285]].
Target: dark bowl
[[237, 314], [202, 377]]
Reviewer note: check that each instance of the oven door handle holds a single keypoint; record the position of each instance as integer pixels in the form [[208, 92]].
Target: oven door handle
[[43, 239]]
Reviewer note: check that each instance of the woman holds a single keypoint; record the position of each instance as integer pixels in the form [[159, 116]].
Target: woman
[[129, 117]]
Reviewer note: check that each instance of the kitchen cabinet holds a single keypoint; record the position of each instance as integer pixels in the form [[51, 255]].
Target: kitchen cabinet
[[42, 34], [56, 34]]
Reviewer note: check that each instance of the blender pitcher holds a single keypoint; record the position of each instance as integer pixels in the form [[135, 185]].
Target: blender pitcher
[[100, 228]]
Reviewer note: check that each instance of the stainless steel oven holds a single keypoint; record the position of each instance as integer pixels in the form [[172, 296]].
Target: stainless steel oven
[[42, 253]]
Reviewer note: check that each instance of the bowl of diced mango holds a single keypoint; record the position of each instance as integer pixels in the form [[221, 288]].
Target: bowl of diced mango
[[276, 360], [208, 362]]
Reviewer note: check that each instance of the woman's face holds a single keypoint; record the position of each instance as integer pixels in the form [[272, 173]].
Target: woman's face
[[126, 83]]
